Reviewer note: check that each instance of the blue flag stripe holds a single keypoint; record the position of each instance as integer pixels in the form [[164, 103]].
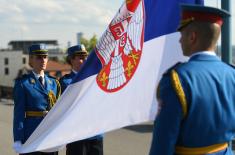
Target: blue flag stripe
[[162, 17]]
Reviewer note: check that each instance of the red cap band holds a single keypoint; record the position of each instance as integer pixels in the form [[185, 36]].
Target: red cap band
[[202, 16]]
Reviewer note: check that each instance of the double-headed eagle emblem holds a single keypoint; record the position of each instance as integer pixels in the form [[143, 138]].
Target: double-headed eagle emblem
[[120, 47]]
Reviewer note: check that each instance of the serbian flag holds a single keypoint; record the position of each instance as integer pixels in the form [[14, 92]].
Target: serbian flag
[[116, 87]]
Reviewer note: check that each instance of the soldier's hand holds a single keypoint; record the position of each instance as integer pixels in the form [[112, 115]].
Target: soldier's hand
[[17, 146]]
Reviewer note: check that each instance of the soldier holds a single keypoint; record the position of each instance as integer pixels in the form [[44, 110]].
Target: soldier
[[94, 145], [34, 95], [75, 58], [197, 98]]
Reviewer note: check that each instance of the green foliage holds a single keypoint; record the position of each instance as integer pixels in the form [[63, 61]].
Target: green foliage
[[89, 44]]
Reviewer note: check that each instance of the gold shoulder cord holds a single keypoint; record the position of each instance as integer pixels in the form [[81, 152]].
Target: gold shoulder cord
[[52, 97], [179, 91], [58, 89]]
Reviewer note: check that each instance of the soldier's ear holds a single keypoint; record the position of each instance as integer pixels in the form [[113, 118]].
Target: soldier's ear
[[30, 60], [193, 37]]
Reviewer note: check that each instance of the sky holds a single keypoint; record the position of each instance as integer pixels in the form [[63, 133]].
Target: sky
[[61, 19]]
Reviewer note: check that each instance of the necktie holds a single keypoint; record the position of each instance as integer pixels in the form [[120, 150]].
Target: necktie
[[41, 80]]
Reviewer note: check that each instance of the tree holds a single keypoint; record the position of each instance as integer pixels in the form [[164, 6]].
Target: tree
[[89, 44]]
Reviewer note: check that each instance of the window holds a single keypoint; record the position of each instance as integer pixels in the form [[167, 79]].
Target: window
[[6, 62], [24, 60], [6, 71]]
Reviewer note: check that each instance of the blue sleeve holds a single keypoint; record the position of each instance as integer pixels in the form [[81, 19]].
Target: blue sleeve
[[168, 120], [63, 85], [19, 111]]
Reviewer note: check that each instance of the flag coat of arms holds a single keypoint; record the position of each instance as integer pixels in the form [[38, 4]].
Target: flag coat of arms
[[116, 87]]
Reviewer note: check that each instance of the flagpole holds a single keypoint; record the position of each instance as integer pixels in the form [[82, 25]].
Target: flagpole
[[226, 48]]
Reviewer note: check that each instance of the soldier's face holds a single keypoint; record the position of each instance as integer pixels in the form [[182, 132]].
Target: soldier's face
[[39, 62], [77, 61]]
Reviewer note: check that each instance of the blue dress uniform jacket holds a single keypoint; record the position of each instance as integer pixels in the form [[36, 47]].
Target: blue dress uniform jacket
[[31, 96], [64, 82], [197, 108]]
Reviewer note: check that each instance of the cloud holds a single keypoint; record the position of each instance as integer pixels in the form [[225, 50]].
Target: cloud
[[57, 11], [9, 11], [58, 19], [42, 6], [5, 6]]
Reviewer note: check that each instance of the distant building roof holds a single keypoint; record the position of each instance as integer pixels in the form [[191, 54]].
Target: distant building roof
[[24, 44], [56, 66], [54, 42]]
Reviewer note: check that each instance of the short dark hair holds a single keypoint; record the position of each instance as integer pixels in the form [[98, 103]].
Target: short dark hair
[[208, 33]]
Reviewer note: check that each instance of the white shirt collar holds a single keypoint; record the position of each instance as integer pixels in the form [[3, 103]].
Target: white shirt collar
[[204, 52], [75, 72], [38, 75]]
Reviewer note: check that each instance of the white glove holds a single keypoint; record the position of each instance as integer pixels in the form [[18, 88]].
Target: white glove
[[17, 146]]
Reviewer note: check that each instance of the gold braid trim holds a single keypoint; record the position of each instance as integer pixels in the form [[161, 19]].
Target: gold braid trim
[[58, 89], [51, 98], [200, 150], [179, 91], [35, 113], [186, 21], [39, 51]]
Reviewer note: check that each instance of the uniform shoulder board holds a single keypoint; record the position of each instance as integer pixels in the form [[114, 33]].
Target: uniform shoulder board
[[232, 66], [172, 67], [51, 77], [21, 77], [66, 76]]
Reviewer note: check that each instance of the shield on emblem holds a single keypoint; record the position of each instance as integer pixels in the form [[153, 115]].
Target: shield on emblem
[[120, 48]]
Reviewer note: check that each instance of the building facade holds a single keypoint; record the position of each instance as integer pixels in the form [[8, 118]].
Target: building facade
[[11, 62]]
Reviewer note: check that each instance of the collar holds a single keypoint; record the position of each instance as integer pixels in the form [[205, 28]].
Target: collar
[[212, 53], [204, 56], [38, 75]]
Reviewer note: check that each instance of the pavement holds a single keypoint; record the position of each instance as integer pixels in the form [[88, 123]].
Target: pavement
[[132, 140]]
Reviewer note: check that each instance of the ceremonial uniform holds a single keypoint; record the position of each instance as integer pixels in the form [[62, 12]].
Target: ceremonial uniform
[[93, 145], [32, 101], [197, 107], [195, 112]]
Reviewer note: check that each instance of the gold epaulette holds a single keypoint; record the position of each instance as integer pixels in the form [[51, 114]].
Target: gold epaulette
[[58, 89], [36, 113], [200, 150]]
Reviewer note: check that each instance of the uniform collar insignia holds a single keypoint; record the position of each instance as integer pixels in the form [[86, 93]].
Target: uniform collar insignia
[[49, 81], [32, 81]]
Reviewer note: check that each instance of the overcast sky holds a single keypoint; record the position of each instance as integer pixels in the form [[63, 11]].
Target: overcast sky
[[59, 19]]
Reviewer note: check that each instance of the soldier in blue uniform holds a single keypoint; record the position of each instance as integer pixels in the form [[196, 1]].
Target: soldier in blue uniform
[[196, 98], [34, 95], [94, 145], [75, 58]]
